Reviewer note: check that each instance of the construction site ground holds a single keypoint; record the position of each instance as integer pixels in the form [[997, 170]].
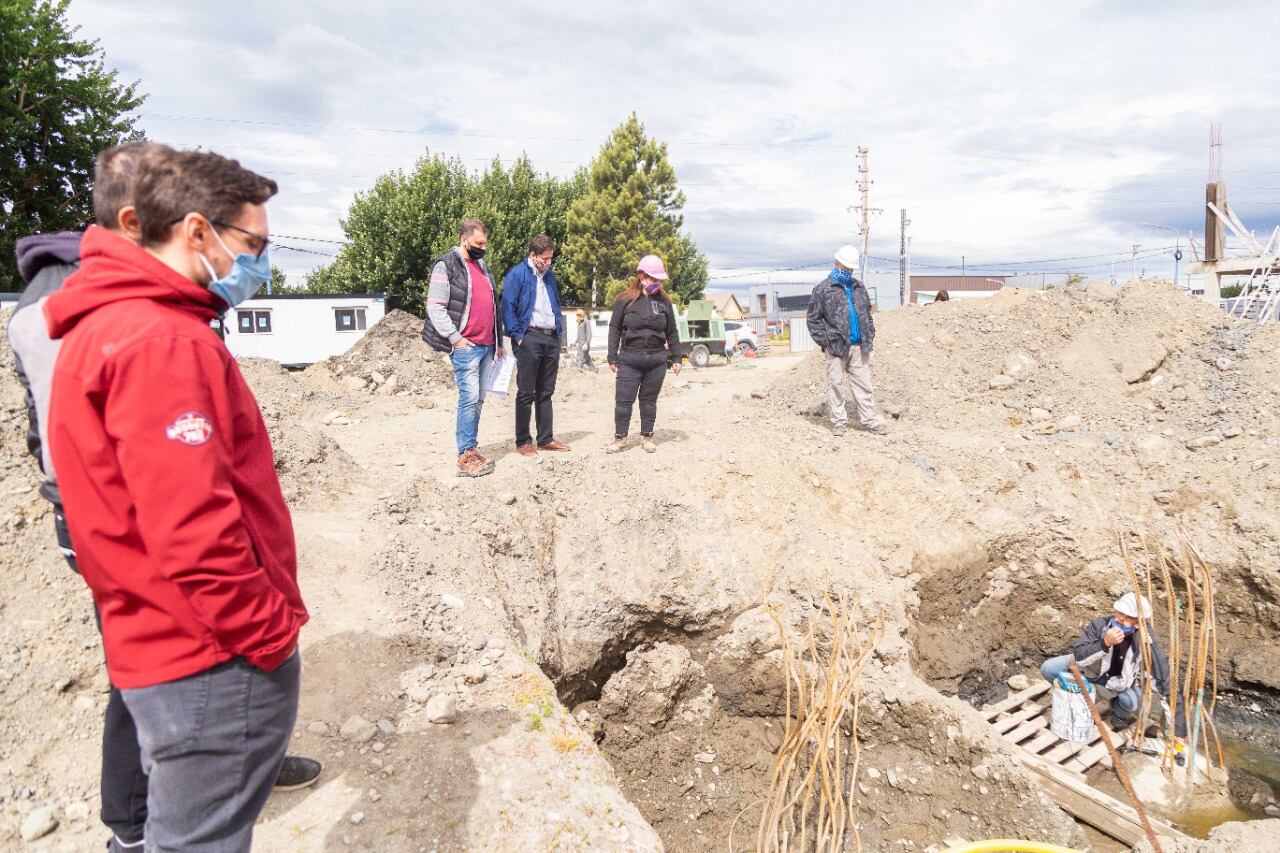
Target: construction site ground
[[573, 654]]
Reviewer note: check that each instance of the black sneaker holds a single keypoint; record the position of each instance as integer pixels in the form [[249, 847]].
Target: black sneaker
[[297, 772]]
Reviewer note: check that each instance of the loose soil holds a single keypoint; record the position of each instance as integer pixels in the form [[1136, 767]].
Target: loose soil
[[598, 619]]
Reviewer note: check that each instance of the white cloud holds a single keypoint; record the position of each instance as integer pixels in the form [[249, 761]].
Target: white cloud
[[1008, 130]]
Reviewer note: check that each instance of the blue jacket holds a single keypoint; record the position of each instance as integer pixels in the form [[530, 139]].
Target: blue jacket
[[519, 291]]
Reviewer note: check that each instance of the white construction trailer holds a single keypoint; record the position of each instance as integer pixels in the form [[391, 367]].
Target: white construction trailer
[[301, 329]]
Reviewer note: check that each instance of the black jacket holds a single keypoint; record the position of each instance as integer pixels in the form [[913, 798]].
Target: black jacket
[[1094, 657], [828, 317], [644, 325]]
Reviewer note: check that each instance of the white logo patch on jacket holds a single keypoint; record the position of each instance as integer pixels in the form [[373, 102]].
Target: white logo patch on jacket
[[191, 428]]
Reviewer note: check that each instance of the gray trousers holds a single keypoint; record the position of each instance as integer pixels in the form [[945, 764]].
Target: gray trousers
[[212, 744], [856, 368]]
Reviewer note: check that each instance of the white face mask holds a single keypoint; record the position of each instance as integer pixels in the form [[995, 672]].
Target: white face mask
[[246, 277]]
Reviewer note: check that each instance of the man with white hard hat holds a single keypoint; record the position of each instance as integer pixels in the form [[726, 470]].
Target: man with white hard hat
[[840, 322], [1109, 656]]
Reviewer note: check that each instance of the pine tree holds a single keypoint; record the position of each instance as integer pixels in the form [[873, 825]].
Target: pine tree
[[632, 208]]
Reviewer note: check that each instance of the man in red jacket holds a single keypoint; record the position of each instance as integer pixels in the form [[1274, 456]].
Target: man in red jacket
[[172, 500]]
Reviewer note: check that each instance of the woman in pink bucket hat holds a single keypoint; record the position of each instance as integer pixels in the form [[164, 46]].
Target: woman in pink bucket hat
[[643, 343]]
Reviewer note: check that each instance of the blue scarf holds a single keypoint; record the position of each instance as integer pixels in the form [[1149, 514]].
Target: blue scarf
[[841, 277]]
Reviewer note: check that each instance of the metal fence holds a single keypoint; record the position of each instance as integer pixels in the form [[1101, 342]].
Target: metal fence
[[800, 340]]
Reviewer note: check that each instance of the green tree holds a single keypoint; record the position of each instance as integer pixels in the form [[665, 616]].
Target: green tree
[[278, 279], [632, 208], [59, 106], [397, 228]]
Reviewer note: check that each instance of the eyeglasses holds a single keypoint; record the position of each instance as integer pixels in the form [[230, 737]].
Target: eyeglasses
[[257, 242]]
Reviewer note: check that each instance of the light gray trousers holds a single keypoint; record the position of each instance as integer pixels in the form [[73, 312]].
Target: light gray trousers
[[212, 744], [856, 368]]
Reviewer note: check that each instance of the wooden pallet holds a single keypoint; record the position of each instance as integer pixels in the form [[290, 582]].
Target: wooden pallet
[[1023, 720], [1059, 766]]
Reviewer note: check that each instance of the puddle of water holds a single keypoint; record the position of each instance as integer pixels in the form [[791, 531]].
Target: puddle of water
[[1198, 820]]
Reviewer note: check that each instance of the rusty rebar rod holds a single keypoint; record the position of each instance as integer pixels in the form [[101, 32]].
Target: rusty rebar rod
[[1116, 764]]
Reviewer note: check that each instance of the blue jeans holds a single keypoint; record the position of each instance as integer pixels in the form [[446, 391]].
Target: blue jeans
[[469, 365], [1124, 705]]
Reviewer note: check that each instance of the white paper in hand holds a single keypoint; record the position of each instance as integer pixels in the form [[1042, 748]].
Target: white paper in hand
[[497, 378]]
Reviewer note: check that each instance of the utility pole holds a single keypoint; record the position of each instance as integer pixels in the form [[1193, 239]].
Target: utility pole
[[1134, 274], [864, 208], [902, 258], [962, 266]]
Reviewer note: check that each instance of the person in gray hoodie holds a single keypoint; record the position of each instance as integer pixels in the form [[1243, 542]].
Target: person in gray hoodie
[[45, 262]]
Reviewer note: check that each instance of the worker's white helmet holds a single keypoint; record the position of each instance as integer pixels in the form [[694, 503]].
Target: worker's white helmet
[[1128, 605], [847, 256]]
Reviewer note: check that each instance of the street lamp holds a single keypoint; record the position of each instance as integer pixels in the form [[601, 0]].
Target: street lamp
[[1177, 247]]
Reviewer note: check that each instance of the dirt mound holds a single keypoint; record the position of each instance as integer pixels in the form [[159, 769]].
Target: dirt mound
[[1056, 360], [311, 465], [391, 358]]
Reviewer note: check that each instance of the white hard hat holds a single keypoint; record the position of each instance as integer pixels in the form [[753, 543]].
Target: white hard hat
[[848, 257], [1129, 607]]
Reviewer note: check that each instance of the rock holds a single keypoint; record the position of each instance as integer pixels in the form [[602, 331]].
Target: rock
[[357, 818], [1019, 682], [419, 693], [377, 377], [1018, 363], [892, 778], [1259, 464], [1152, 450], [358, 730], [980, 771], [386, 726], [442, 709], [1258, 664], [1069, 423], [1202, 441], [353, 383], [997, 382], [389, 387], [506, 498], [1231, 431], [873, 773], [77, 811], [473, 673], [1248, 791], [378, 746], [1039, 414], [705, 757], [451, 601], [319, 728], [1140, 358], [38, 823], [479, 640]]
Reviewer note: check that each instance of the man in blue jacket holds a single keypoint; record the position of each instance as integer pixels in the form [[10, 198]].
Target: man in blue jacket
[[531, 314]]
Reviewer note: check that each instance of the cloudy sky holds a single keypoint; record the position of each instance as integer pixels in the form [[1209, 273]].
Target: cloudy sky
[[1010, 131]]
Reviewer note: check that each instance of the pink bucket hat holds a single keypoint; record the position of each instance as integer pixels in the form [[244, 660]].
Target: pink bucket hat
[[651, 265]]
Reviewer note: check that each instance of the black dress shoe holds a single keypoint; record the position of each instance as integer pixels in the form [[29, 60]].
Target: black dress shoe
[[297, 772]]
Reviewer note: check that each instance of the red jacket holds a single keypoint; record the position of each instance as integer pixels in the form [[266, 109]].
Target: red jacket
[[166, 472]]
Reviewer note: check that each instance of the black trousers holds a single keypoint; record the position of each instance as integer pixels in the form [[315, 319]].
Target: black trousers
[[537, 364], [124, 785], [640, 372]]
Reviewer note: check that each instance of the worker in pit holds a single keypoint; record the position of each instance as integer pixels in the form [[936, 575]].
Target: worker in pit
[[1109, 657]]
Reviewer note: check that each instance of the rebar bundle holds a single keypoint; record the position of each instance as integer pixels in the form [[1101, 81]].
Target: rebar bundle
[[811, 805]]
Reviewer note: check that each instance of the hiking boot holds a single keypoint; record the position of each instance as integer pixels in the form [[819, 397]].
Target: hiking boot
[[646, 442], [554, 445], [616, 446], [297, 772], [525, 450], [838, 430], [878, 429], [472, 464]]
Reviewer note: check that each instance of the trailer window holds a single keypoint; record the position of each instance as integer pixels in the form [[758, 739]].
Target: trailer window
[[253, 322], [349, 319]]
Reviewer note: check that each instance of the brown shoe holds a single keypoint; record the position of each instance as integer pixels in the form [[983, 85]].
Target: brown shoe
[[553, 445], [526, 450], [472, 464]]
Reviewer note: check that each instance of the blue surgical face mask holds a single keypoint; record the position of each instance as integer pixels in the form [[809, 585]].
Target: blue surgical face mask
[[1128, 629], [841, 277], [246, 276]]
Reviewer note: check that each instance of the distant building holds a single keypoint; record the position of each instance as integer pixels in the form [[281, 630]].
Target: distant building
[[726, 304], [925, 288]]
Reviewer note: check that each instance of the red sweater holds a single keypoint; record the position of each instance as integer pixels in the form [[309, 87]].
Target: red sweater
[[166, 472]]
